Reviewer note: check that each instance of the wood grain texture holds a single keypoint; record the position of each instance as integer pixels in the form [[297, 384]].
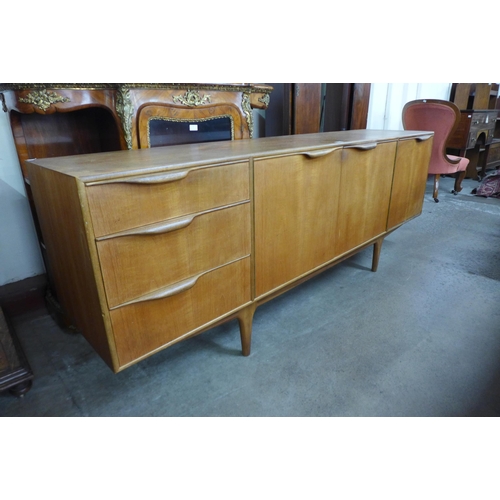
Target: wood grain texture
[[410, 175], [296, 209], [119, 164], [364, 195], [306, 105], [169, 320], [71, 257], [120, 206], [135, 265]]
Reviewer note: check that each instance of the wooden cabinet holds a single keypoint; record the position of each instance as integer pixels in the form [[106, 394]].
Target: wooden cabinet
[[475, 134], [152, 246]]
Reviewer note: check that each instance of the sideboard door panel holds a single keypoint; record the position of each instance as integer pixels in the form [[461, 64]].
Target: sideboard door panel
[[365, 193], [296, 205], [410, 174]]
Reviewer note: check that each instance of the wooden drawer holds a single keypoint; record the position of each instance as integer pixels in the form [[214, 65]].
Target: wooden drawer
[[144, 327], [494, 154], [148, 258], [119, 205]]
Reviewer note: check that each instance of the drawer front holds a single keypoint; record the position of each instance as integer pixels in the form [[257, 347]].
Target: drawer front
[[494, 153], [482, 123], [155, 256], [143, 327], [137, 201]]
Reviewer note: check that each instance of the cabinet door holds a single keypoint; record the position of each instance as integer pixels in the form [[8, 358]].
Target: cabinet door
[[365, 193], [410, 176], [296, 204]]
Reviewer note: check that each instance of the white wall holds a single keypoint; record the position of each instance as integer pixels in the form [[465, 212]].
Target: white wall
[[20, 255], [388, 99]]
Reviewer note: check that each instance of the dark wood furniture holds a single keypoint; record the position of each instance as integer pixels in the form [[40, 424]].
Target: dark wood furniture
[[294, 109], [149, 247], [15, 372], [346, 106], [476, 132]]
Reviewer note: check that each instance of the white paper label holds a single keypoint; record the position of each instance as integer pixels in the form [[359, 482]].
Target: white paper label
[[193, 127]]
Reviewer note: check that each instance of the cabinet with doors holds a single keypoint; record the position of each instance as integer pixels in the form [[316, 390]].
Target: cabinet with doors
[[152, 246]]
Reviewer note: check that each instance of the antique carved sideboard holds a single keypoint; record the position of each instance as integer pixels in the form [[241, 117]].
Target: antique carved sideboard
[[151, 246], [50, 120]]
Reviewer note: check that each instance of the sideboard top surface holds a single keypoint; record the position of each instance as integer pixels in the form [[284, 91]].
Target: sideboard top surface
[[101, 166]]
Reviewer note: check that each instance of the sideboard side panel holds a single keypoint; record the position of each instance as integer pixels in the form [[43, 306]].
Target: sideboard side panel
[[69, 255]]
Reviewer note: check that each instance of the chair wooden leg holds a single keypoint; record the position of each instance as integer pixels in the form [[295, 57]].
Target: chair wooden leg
[[459, 177], [436, 187]]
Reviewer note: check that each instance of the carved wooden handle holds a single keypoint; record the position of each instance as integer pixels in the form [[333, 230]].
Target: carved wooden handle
[[364, 147], [167, 291], [146, 179], [160, 228], [422, 138], [319, 153], [158, 179]]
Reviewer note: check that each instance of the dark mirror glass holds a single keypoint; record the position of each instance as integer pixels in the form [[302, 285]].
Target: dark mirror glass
[[167, 133]]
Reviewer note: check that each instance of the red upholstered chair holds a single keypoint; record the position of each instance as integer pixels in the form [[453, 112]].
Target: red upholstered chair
[[441, 117]]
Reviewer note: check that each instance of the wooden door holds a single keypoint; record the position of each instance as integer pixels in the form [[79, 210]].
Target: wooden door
[[365, 193], [296, 208], [410, 175]]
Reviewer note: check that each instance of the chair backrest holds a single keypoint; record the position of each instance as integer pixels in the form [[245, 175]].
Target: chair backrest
[[440, 117]]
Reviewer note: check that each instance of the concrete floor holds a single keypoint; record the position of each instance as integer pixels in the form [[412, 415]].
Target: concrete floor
[[420, 337]]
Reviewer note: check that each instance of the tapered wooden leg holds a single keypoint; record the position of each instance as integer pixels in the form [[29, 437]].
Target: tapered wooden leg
[[436, 187], [460, 176], [377, 247], [245, 319]]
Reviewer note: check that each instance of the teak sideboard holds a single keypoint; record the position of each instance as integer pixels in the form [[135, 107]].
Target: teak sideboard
[[149, 247]]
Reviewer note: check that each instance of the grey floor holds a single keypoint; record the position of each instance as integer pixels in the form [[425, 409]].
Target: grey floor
[[420, 337]]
